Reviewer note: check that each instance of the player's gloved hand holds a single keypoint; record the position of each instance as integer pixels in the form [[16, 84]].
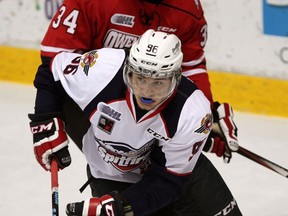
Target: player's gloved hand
[[107, 205], [223, 138], [215, 144], [50, 140]]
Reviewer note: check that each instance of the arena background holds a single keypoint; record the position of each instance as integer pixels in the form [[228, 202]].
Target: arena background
[[247, 49]]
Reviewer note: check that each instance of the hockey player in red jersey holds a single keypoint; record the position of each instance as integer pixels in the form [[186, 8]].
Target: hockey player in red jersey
[[149, 124], [94, 24], [86, 25]]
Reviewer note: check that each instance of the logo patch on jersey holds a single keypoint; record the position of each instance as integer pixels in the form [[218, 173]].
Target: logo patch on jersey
[[123, 20], [166, 29], [105, 124], [206, 124], [124, 157], [88, 60], [113, 113], [118, 39], [157, 135], [227, 209]]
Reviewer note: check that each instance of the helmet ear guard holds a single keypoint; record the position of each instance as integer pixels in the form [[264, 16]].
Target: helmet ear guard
[[155, 55]]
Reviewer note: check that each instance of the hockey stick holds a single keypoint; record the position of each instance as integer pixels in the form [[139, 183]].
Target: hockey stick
[[263, 161], [54, 187]]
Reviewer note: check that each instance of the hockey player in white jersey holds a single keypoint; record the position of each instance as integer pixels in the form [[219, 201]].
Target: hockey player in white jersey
[[148, 128]]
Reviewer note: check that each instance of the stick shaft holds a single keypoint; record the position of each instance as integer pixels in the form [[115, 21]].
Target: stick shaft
[[263, 161], [54, 188]]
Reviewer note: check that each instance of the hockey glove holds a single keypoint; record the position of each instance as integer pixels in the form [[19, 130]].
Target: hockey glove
[[107, 205], [223, 138], [215, 144], [50, 140]]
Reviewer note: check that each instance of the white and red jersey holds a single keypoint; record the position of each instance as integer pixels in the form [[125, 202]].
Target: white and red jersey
[[120, 144], [93, 24]]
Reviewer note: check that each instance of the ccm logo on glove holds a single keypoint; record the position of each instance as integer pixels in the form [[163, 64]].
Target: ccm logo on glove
[[50, 140], [41, 128]]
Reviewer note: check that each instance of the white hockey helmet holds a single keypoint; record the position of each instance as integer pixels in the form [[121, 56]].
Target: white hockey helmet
[[155, 55]]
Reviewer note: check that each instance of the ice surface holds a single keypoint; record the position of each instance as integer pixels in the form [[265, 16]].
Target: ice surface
[[25, 186]]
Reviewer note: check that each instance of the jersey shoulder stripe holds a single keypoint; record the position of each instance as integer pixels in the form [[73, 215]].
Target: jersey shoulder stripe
[[172, 112], [115, 90]]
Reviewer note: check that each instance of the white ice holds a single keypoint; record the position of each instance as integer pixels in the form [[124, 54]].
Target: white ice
[[25, 186]]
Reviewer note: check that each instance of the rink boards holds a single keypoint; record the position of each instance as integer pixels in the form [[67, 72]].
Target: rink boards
[[244, 92]]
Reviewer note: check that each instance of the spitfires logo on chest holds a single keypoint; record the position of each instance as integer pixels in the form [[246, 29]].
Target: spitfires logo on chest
[[123, 156]]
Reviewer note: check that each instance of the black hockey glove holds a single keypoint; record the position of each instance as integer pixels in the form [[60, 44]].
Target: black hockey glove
[[223, 138], [107, 205], [50, 140]]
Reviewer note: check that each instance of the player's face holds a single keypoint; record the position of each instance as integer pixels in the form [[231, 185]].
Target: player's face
[[149, 92]]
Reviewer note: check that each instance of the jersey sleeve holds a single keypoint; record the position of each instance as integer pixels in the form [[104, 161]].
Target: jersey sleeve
[[71, 28], [194, 126], [85, 76], [194, 38], [203, 83]]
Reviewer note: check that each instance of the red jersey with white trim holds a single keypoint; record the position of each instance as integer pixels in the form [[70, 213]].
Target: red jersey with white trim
[[93, 24], [120, 144]]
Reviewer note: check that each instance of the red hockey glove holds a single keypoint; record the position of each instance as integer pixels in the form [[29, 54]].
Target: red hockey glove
[[224, 131], [215, 144], [50, 140], [107, 205]]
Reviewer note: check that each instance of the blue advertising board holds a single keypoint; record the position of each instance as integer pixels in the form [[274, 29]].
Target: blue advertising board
[[275, 17]]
